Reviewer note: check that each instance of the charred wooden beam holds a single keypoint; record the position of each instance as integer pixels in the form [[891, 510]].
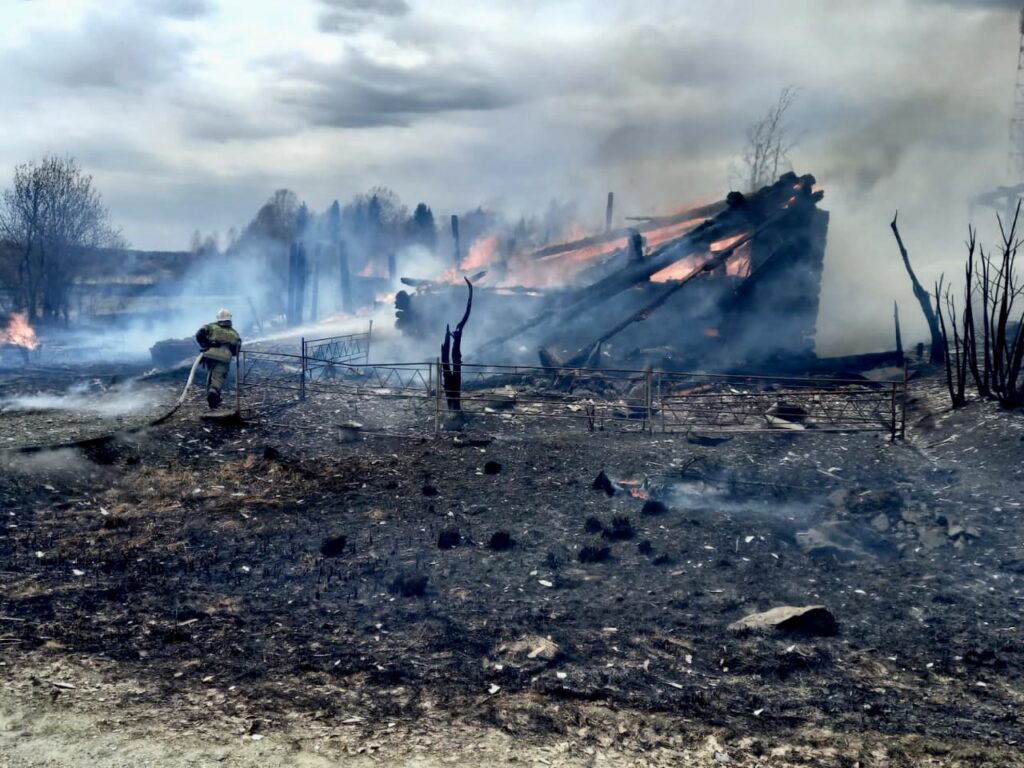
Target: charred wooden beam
[[621, 233], [644, 312], [416, 282]]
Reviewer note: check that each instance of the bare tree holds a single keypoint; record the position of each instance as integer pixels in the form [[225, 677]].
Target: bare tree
[[998, 365], [769, 142], [52, 218]]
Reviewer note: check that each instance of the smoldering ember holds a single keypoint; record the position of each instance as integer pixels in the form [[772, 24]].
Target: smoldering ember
[[592, 482]]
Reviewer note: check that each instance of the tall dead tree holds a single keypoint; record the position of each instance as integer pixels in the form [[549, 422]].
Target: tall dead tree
[[923, 298], [769, 142], [451, 357]]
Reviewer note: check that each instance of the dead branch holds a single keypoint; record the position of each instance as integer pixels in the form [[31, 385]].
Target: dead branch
[[938, 339]]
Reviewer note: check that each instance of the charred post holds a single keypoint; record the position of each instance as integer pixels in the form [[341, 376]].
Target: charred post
[[608, 210], [451, 357]]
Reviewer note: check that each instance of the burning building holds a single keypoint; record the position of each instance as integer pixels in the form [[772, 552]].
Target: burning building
[[731, 283]]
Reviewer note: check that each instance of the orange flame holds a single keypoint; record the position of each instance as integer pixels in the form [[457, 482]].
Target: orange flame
[[480, 253], [726, 242], [576, 231], [680, 270], [739, 265], [19, 332]]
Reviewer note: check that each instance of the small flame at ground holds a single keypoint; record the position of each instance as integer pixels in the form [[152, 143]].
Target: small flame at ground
[[19, 332]]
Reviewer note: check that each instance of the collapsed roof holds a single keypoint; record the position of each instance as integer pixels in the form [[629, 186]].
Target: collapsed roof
[[733, 282]]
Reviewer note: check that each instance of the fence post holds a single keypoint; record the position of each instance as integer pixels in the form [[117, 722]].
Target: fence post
[[648, 401], [903, 404], [369, 331], [437, 397], [892, 436], [302, 380], [238, 383]]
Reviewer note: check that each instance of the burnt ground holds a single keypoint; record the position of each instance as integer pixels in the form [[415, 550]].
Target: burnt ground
[[204, 594]]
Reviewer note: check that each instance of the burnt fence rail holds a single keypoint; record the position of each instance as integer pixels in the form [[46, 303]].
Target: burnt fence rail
[[624, 400]]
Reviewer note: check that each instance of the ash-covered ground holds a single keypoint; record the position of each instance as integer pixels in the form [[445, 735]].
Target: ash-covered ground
[[206, 593]]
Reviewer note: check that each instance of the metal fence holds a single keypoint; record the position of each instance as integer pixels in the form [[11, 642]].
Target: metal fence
[[642, 401], [323, 356]]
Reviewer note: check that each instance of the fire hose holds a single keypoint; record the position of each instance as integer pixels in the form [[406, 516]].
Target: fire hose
[[102, 439], [184, 392]]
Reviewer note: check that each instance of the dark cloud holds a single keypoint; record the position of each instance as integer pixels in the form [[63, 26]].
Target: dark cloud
[[214, 117], [361, 93], [347, 15], [105, 51]]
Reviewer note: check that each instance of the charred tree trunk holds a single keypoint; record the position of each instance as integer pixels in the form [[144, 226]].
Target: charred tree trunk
[[292, 277], [451, 357], [938, 343], [314, 301], [608, 210], [300, 285], [346, 279], [945, 347], [455, 238]]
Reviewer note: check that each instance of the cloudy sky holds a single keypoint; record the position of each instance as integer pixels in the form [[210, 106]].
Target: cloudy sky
[[189, 113]]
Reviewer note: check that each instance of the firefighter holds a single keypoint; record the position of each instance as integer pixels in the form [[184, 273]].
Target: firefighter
[[219, 342]]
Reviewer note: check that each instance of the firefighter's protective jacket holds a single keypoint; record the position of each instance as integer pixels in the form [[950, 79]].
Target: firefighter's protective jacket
[[219, 341]]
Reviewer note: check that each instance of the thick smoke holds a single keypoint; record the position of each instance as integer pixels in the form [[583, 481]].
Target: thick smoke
[[904, 104]]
